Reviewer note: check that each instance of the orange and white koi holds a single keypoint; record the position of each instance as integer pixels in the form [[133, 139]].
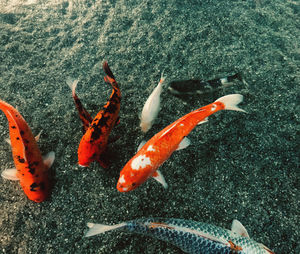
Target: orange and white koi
[[31, 169], [94, 141], [84, 116], [151, 107], [160, 147]]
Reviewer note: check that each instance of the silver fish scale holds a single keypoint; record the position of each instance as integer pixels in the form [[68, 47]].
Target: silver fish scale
[[184, 234]]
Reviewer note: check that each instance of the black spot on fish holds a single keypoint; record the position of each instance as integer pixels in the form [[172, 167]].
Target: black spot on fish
[[31, 170], [21, 160], [13, 127], [33, 187], [103, 121], [96, 133], [35, 163], [17, 138], [26, 141], [78, 102], [22, 132], [115, 98], [112, 108]]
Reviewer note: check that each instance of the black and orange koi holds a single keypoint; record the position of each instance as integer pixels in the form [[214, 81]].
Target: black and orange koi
[[95, 139]]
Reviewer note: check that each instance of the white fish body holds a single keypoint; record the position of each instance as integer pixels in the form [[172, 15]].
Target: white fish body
[[151, 107]]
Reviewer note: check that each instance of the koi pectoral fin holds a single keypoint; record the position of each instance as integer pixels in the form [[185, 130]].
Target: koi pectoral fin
[[203, 121], [37, 137], [10, 174], [160, 178], [103, 164], [183, 144], [49, 159], [141, 145]]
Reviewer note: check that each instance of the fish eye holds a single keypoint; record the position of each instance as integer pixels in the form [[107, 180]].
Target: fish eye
[[133, 184]]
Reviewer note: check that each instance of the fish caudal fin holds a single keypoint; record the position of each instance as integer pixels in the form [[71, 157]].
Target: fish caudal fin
[[107, 70], [72, 83], [231, 101], [162, 78], [95, 229]]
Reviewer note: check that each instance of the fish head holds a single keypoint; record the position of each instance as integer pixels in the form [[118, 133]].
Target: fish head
[[126, 183], [130, 179], [87, 153], [135, 172], [36, 190]]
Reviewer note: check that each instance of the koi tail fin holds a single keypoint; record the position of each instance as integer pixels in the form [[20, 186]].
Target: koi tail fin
[[107, 70], [72, 83], [162, 77], [83, 114], [109, 78], [95, 229], [231, 101]]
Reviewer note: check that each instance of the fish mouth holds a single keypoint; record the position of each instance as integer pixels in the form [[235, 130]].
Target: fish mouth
[[122, 188], [83, 166]]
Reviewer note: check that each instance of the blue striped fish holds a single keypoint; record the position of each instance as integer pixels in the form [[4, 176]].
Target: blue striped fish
[[190, 236]]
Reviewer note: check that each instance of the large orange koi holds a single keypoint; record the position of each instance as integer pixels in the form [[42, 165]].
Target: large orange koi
[[160, 147], [31, 169]]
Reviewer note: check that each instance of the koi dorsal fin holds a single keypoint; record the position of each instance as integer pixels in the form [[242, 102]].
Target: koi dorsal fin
[[238, 228]]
